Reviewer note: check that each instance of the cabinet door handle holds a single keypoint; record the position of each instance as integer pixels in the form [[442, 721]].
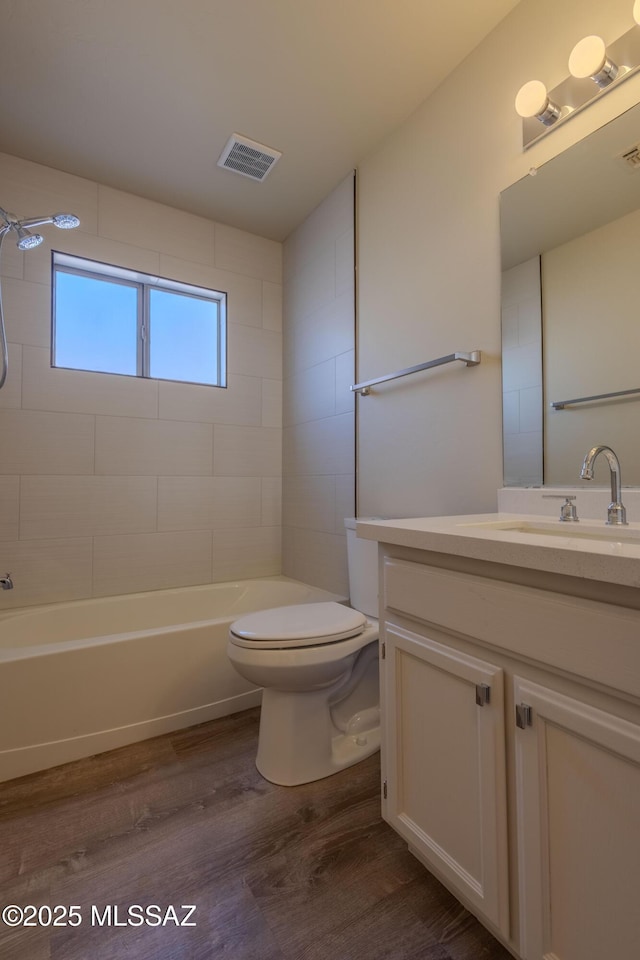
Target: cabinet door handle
[[524, 716], [483, 694]]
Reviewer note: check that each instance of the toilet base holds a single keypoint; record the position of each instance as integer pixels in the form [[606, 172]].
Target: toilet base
[[299, 743]]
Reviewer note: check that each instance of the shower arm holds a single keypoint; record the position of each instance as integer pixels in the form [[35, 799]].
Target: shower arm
[[35, 222]]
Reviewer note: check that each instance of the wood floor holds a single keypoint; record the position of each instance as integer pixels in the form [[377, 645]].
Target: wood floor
[[275, 873]]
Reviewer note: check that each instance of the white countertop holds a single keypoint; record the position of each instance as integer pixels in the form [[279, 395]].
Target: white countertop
[[549, 545]]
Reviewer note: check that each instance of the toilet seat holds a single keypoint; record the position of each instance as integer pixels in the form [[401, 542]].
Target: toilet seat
[[300, 625]]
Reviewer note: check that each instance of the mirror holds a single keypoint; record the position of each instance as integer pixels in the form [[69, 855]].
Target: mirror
[[570, 241]]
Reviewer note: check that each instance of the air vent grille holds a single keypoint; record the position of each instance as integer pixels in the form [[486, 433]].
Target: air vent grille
[[632, 157], [248, 158]]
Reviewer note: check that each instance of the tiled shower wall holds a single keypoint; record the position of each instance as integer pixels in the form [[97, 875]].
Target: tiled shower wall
[[319, 443], [112, 484]]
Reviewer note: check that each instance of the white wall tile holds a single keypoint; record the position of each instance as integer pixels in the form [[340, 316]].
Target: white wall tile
[[247, 552], [152, 447], [46, 443], [80, 391], [320, 447], [240, 402], [11, 392], [511, 411], [246, 253], [271, 501], [523, 459], [330, 219], [531, 410], [27, 312], [206, 503], [321, 335], [86, 454], [309, 502], [272, 306], [32, 190], [244, 294], [254, 352], [522, 367], [314, 285], [310, 394], [344, 253], [317, 558], [272, 403], [509, 316], [37, 265], [144, 223], [46, 571], [530, 320], [12, 260], [345, 501], [86, 506], [150, 561], [247, 451], [9, 507], [345, 377]]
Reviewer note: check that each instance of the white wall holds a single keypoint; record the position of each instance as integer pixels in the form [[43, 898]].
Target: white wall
[[522, 374], [429, 260], [591, 303], [319, 442], [113, 484]]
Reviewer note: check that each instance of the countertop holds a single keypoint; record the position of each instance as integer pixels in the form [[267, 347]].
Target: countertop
[[552, 547]]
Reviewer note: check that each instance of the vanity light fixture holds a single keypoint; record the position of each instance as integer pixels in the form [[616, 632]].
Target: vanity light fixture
[[533, 100], [589, 59], [594, 66]]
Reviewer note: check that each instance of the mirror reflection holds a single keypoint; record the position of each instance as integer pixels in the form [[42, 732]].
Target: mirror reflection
[[571, 309]]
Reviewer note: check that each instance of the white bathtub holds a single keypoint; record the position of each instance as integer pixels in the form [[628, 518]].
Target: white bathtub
[[82, 677]]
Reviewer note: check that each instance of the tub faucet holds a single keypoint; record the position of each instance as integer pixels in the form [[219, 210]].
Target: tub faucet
[[616, 512], [6, 582]]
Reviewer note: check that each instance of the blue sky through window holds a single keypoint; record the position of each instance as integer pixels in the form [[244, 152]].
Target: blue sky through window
[[183, 337], [96, 324]]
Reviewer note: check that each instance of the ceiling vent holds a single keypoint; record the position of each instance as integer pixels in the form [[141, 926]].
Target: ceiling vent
[[248, 158], [631, 157]]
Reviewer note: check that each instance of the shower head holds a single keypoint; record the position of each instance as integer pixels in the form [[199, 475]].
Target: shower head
[[65, 221], [26, 239]]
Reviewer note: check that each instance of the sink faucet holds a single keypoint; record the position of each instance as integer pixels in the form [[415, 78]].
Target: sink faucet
[[6, 582], [616, 512]]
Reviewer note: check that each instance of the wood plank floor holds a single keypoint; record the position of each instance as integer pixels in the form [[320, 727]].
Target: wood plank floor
[[275, 873]]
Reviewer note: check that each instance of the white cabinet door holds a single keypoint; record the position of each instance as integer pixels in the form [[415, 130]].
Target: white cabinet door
[[445, 766], [578, 809]]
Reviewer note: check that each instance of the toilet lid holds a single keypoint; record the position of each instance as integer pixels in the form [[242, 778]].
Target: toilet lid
[[301, 625]]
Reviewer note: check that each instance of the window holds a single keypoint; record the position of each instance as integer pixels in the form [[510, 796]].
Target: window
[[112, 320]]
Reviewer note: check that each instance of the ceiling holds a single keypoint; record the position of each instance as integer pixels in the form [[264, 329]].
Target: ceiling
[[142, 95]]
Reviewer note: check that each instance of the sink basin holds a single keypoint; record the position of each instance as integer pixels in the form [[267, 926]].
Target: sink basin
[[567, 530]]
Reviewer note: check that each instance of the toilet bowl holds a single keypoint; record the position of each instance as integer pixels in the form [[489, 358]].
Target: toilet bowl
[[318, 665]]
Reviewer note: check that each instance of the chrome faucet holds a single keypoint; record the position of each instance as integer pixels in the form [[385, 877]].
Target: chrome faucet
[[616, 512], [6, 582]]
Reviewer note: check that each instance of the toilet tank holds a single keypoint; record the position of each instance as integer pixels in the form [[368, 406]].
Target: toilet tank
[[362, 557]]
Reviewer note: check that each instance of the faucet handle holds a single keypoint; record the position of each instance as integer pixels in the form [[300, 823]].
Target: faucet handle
[[568, 509]]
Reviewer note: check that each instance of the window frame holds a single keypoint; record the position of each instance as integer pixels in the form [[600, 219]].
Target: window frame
[[144, 283]]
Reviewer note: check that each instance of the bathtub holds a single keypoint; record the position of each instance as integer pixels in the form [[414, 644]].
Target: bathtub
[[90, 675]]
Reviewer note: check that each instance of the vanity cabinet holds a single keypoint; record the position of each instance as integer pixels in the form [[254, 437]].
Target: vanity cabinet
[[577, 772], [446, 788], [511, 752]]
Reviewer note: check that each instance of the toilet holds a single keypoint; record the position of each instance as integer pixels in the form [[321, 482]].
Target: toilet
[[318, 665]]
